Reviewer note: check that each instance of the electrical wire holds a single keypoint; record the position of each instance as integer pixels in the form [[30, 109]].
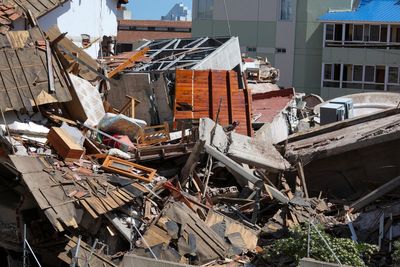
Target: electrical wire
[[227, 19]]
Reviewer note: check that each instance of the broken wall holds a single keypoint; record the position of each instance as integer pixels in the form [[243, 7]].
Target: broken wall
[[137, 85]]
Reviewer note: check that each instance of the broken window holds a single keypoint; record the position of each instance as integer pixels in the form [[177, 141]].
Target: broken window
[[205, 9], [358, 32], [286, 9], [393, 75], [329, 32]]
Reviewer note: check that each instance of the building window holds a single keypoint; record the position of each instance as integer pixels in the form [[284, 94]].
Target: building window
[[369, 73], [357, 73], [338, 32], [380, 74], [395, 34], [331, 75], [393, 75], [328, 72], [286, 9], [358, 32], [384, 32], [205, 9], [251, 49], [361, 77], [329, 32], [123, 28], [374, 32], [281, 50]]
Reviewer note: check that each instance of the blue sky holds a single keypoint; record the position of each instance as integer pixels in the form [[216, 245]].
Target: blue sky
[[153, 9]]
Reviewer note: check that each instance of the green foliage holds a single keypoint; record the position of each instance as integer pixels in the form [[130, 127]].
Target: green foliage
[[294, 248], [396, 252]]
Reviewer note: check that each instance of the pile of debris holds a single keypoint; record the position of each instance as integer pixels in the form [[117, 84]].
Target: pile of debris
[[152, 157]]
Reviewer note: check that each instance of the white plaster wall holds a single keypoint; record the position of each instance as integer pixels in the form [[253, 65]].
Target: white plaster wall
[[285, 38], [93, 17]]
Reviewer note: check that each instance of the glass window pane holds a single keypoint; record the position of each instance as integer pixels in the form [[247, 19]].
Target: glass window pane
[[286, 9], [393, 75], [338, 32], [358, 33], [349, 32], [384, 31], [357, 72], [328, 72], [366, 33], [205, 9], [347, 72], [369, 73], [329, 32], [374, 33], [336, 72]]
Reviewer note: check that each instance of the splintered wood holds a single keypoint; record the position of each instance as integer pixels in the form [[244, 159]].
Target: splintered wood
[[56, 191], [198, 94]]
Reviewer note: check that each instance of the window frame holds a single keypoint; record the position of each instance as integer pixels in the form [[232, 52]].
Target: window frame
[[398, 75], [281, 9]]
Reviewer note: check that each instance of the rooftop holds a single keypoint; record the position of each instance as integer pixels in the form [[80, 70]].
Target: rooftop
[[368, 11]]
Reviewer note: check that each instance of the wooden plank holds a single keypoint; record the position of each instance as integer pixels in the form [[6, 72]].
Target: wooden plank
[[96, 205], [88, 209], [377, 193], [116, 198]]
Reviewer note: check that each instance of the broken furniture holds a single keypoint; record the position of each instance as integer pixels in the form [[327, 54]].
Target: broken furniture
[[128, 169]]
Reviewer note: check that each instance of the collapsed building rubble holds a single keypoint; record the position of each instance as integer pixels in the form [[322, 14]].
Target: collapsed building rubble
[[154, 157]]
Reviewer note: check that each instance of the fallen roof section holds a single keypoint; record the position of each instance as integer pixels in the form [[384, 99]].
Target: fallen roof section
[[38, 8], [88, 66], [198, 94], [345, 136], [194, 53], [24, 76]]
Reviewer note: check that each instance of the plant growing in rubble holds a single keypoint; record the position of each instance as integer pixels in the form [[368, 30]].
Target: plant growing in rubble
[[294, 247], [396, 253]]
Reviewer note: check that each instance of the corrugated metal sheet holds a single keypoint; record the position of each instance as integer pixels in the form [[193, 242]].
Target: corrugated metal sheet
[[198, 94], [368, 11]]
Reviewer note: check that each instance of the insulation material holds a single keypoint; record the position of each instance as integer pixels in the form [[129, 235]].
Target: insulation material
[[90, 100], [121, 125]]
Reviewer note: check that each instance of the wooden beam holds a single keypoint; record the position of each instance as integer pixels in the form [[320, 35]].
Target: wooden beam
[[243, 173], [128, 62], [377, 193]]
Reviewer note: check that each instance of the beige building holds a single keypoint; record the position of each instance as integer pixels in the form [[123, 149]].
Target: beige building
[[287, 32]]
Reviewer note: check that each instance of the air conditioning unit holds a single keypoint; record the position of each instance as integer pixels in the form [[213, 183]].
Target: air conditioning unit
[[331, 112], [348, 105]]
